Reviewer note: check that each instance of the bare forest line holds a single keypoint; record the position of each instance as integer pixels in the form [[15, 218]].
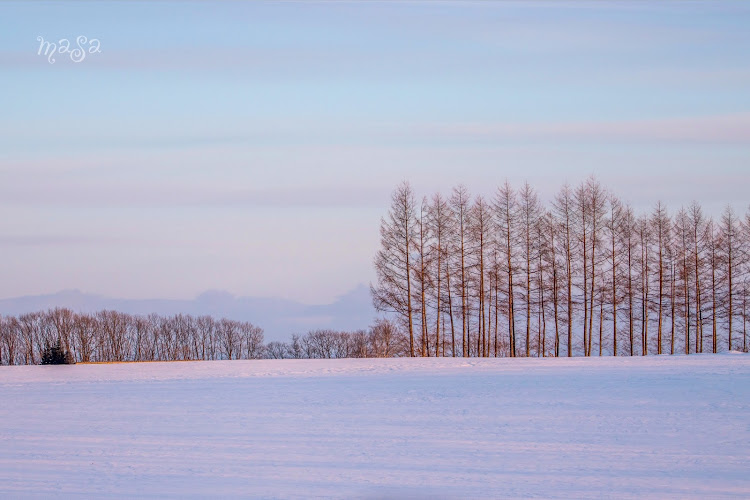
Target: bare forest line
[[112, 336]]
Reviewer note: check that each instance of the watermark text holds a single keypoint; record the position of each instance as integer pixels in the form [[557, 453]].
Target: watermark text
[[77, 52]]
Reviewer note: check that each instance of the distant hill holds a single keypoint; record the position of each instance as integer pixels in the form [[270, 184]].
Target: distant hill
[[279, 318]]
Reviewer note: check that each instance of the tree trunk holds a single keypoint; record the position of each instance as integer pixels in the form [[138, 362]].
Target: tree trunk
[[450, 307], [630, 293], [614, 286]]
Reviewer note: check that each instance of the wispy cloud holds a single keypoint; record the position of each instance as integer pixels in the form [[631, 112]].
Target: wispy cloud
[[144, 196], [715, 129], [52, 240]]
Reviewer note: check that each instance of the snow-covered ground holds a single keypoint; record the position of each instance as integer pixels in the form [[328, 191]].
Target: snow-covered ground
[[655, 427]]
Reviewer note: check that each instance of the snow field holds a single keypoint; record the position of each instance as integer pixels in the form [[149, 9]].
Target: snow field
[[653, 427]]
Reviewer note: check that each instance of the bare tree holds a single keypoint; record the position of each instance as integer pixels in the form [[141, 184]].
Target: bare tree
[[459, 204], [32, 342], [592, 210], [644, 241], [296, 349], [277, 350], [547, 282], [583, 224], [10, 338], [744, 291], [358, 344], [384, 338], [506, 212], [732, 256], [682, 233], [206, 331], [423, 256], [712, 251], [252, 340], [229, 338], [480, 231], [614, 225], [140, 331], [61, 320], [563, 207], [441, 228], [552, 255], [393, 265], [698, 235], [529, 214], [661, 224]]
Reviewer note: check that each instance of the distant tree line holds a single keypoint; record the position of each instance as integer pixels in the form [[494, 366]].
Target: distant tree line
[[582, 275], [383, 340], [110, 336], [114, 336]]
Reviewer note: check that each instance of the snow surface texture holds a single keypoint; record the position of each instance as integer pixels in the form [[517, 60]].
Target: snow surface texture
[[654, 427]]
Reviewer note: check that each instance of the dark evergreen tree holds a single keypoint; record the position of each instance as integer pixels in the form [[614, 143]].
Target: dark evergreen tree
[[56, 354]]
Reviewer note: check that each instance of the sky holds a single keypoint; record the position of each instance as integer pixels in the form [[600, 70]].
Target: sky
[[251, 147]]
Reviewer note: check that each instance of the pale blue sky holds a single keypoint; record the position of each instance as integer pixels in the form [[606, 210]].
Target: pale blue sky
[[251, 147]]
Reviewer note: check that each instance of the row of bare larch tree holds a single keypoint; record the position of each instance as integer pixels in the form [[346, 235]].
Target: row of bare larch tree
[[583, 275]]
